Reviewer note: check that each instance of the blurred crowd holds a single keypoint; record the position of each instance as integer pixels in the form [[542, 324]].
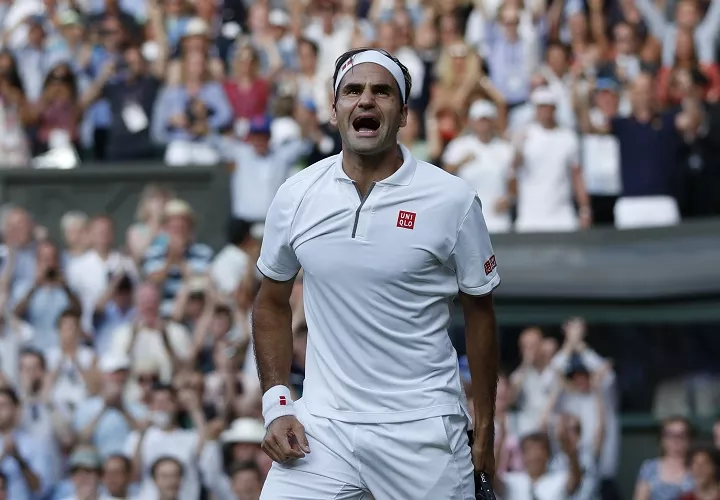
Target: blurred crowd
[[562, 113]]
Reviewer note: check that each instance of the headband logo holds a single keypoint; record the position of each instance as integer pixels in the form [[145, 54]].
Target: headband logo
[[347, 64]]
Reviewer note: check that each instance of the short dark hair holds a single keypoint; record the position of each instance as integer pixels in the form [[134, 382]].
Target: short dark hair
[[238, 231], [712, 454], [539, 438], [243, 466], [10, 393], [350, 53], [68, 313], [127, 463], [166, 458], [306, 41]]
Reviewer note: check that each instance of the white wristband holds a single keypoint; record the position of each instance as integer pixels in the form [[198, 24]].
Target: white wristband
[[277, 402]]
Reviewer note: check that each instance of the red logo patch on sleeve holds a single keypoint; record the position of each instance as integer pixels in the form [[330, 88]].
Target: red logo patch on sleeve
[[490, 264], [283, 401], [406, 219]]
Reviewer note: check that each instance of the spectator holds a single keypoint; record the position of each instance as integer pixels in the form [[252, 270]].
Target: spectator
[[72, 365], [667, 477], [85, 467], [486, 162], [19, 266], [549, 175], [149, 339], [508, 456], [246, 480], [149, 219], [175, 256], [114, 308], [15, 334], [167, 474], [537, 481], [43, 305], [410, 137], [23, 462], [164, 438], [106, 420], [234, 266], [13, 140], [74, 226], [259, 170], [247, 92], [705, 470], [33, 58], [130, 88], [190, 113], [116, 475], [90, 275]]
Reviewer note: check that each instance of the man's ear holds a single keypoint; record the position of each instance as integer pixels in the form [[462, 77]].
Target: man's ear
[[333, 116], [404, 115]]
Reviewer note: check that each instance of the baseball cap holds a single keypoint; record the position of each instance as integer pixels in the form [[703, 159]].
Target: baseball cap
[[606, 83], [576, 365], [543, 96], [278, 17], [260, 125], [482, 109], [111, 363], [69, 17], [84, 458]]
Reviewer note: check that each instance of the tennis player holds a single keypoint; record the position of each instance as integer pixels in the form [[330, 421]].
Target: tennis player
[[385, 243]]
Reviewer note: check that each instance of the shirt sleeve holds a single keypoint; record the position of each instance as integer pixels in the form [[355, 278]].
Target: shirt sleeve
[[454, 153], [472, 258], [277, 257]]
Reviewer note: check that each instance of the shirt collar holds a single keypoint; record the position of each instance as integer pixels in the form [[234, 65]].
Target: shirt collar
[[401, 177]]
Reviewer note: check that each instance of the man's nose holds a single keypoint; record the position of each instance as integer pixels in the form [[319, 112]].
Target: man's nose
[[367, 99]]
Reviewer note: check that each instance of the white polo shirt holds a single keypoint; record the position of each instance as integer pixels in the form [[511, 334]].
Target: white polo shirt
[[379, 278]]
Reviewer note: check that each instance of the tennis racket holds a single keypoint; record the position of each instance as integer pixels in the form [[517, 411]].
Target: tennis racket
[[483, 488]]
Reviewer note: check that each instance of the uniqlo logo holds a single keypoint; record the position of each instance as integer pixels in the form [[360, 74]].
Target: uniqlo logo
[[490, 264], [406, 219], [283, 401]]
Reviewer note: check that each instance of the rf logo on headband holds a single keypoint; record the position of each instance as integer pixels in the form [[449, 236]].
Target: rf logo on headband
[[347, 64]]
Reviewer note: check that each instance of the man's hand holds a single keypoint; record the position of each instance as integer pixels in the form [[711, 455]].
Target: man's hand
[[285, 439], [483, 457], [9, 448]]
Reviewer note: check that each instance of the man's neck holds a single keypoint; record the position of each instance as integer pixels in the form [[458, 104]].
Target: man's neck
[[366, 169], [103, 253]]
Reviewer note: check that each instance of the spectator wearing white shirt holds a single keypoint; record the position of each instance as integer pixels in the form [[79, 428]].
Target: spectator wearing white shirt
[[165, 438], [149, 338], [234, 265], [85, 467], [538, 481], [486, 163], [549, 174], [534, 381], [14, 335], [90, 274], [73, 366], [600, 153], [74, 225]]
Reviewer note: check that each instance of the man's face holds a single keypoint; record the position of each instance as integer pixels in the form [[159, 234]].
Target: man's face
[[148, 300], [163, 400], [47, 256], [535, 458], [74, 234], [178, 227], [624, 39], [18, 228], [307, 58], [641, 92], [369, 109], [259, 142], [86, 480], [545, 114], [101, 234], [482, 127], [168, 478], [31, 371], [7, 412], [116, 477], [687, 14], [386, 38], [557, 60], [246, 485]]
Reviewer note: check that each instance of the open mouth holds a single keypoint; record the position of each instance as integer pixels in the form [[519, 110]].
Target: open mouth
[[366, 124]]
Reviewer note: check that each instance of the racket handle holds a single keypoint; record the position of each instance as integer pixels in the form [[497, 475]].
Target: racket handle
[[485, 486]]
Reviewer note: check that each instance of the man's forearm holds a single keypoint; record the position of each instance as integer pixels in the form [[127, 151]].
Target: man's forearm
[[272, 338], [483, 359]]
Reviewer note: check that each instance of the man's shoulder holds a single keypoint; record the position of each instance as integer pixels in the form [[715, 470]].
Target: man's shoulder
[[297, 185], [454, 191]]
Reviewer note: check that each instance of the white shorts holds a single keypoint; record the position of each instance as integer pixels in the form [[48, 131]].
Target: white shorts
[[422, 460]]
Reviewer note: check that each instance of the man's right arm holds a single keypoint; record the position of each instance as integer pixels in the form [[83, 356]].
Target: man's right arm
[[272, 332]]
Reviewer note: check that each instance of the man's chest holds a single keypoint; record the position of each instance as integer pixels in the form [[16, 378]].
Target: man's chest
[[378, 236]]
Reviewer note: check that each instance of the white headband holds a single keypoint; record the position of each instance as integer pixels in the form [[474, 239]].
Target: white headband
[[373, 56]]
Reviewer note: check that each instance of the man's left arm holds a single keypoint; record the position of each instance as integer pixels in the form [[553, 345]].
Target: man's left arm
[[473, 260], [483, 358]]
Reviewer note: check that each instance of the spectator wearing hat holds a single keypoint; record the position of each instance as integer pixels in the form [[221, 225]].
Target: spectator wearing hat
[[548, 173], [600, 153], [23, 461], [259, 169], [85, 468], [176, 257], [485, 161], [106, 420]]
